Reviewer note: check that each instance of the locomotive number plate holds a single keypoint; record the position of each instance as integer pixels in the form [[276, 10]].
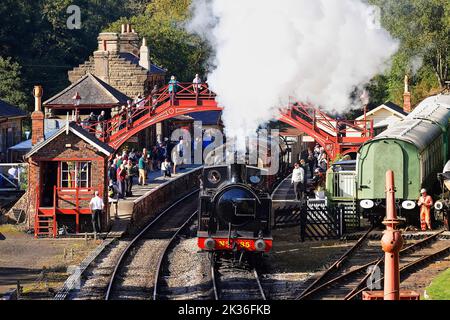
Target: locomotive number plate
[[245, 244]]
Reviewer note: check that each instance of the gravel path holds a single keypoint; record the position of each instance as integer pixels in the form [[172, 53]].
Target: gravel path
[[96, 278]]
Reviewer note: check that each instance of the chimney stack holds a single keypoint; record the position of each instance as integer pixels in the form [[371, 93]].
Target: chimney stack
[[128, 28], [144, 55], [123, 29], [37, 117], [407, 96]]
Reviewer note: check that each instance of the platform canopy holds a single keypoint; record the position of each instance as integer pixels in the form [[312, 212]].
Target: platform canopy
[[94, 93]]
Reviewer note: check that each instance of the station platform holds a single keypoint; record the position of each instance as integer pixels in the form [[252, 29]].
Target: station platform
[[121, 213]]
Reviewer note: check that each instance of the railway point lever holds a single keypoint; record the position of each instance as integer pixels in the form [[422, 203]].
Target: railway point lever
[[391, 242]]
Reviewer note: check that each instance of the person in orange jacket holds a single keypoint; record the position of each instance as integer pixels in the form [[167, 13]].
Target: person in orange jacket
[[425, 203]]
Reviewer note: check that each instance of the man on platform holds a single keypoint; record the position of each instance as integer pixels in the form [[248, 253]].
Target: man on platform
[[297, 180], [96, 205]]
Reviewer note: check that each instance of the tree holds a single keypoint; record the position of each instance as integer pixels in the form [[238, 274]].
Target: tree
[[35, 33], [423, 26], [11, 87], [171, 46]]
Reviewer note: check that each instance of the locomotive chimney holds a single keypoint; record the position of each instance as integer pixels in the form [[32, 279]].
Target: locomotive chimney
[[37, 117], [407, 96]]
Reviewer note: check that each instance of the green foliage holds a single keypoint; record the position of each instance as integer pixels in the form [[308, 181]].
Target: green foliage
[[439, 288], [379, 90], [35, 33], [171, 47], [11, 88]]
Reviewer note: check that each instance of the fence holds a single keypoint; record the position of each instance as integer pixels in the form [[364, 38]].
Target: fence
[[322, 221], [342, 185]]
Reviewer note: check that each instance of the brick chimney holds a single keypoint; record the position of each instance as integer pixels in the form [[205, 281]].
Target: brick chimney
[[37, 117], [129, 41], [108, 43], [407, 96], [144, 56]]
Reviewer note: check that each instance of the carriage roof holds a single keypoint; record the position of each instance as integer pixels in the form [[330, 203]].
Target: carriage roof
[[420, 133], [423, 125]]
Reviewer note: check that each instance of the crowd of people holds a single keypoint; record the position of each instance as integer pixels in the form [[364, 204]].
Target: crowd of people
[[132, 111], [132, 167], [313, 163]]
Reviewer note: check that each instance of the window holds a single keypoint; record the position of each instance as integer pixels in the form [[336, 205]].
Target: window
[[75, 174]]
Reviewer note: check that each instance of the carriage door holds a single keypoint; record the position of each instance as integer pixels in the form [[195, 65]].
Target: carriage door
[[390, 158]]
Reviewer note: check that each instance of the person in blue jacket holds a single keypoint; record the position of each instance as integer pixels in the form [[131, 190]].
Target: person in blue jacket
[[173, 86]]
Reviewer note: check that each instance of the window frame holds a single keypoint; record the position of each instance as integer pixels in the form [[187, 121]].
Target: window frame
[[76, 182]]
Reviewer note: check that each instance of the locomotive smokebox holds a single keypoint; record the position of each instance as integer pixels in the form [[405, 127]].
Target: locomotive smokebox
[[238, 173]]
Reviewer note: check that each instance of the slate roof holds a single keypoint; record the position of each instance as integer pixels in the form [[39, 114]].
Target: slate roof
[[395, 107], [387, 105], [25, 146], [92, 91], [80, 132], [135, 60], [9, 111]]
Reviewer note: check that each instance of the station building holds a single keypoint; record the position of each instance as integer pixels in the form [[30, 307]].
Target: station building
[[11, 119], [119, 70], [64, 171]]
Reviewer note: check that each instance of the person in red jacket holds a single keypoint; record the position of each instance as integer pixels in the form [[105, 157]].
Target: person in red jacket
[[425, 203], [121, 177]]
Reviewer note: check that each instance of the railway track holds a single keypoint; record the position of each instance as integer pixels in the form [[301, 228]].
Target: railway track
[[159, 289], [137, 270], [348, 276], [233, 281], [412, 258]]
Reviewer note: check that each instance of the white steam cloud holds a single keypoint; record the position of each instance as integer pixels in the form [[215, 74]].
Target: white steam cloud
[[317, 51]]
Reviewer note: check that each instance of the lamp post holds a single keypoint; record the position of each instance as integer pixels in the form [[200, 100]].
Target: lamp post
[[76, 102]]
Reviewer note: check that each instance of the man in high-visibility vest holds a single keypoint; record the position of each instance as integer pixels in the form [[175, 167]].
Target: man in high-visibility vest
[[425, 203]]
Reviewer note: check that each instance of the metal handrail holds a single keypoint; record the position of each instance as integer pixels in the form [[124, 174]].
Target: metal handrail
[[145, 108]]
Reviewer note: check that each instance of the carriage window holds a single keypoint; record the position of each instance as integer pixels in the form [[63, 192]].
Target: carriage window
[[75, 174]]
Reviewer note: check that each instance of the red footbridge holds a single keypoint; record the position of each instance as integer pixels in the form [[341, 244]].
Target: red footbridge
[[338, 137]]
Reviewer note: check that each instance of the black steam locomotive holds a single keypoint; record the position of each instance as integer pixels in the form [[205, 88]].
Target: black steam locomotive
[[235, 211]]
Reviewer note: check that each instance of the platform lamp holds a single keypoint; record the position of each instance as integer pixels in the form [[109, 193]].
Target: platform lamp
[[76, 102]]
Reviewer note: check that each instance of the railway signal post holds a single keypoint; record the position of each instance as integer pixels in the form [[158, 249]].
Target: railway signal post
[[391, 243]]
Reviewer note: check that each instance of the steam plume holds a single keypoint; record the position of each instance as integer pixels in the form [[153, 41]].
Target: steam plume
[[318, 51]]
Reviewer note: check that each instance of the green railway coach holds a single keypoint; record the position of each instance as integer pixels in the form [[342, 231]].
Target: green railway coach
[[415, 148]]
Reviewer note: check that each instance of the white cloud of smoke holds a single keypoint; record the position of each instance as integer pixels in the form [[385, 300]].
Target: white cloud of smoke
[[317, 51]]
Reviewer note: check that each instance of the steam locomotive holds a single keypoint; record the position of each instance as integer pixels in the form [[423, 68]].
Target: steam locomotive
[[235, 212]]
